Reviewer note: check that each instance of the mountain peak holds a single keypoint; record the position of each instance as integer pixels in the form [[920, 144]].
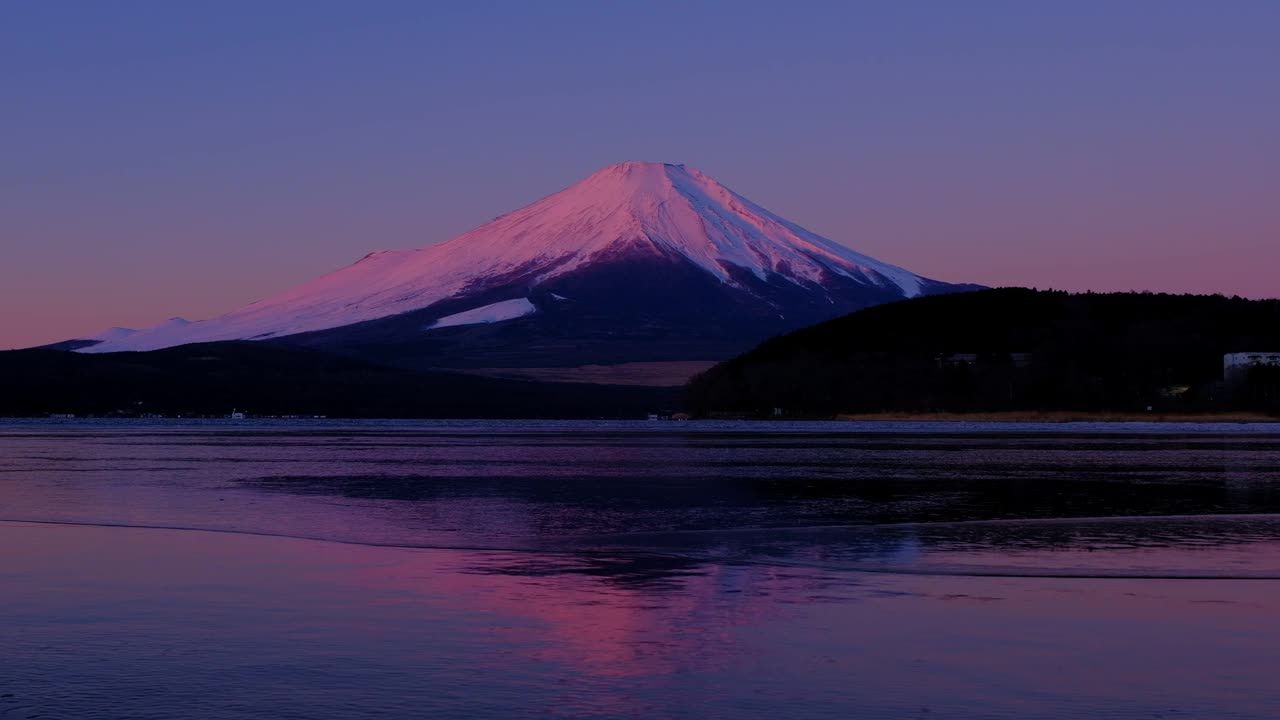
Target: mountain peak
[[637, 166], [619, 181]]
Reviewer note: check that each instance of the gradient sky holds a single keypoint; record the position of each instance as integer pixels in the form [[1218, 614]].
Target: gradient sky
[[162, 158]]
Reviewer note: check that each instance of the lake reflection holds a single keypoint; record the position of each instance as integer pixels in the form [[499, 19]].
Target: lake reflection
[[636, 571]]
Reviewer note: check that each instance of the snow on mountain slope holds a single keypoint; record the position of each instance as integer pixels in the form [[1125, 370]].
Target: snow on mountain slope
[[497, 312], [623, 209]]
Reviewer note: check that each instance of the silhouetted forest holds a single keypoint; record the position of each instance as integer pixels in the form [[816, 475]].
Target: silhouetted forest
[[263, 379], [1009, 349]]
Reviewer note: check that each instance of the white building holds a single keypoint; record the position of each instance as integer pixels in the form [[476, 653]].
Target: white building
[[1236, 363]]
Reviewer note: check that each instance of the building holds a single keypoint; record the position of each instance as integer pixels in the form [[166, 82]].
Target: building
[[1235, 365], [968, 360], [957, 360]]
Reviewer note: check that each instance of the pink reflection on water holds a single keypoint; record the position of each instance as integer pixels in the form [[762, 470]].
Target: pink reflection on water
[[602, 625], [422, 631]]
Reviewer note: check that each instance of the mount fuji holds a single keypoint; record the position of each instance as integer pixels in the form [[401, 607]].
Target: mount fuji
[[638, 263]]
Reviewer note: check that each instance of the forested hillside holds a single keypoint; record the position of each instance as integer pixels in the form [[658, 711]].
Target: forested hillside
[[1008, 349]]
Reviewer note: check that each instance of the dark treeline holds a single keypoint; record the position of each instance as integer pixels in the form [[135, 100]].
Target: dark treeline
[[1009, 349], [263, 379]]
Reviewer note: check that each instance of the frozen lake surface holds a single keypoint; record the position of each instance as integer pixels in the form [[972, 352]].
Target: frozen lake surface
[[484, 569]]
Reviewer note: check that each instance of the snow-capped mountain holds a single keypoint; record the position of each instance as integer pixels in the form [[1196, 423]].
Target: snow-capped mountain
[[633, 248]]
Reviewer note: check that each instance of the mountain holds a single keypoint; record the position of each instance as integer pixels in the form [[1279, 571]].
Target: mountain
[[1010, 349], [638, 263]]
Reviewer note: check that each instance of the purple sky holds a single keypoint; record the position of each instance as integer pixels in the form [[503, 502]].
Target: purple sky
[[166, 159]]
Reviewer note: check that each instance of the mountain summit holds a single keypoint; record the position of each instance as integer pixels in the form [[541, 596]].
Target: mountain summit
[[632, 250]]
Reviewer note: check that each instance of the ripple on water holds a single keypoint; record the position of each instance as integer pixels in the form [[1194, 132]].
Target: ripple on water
[[1182, 547]]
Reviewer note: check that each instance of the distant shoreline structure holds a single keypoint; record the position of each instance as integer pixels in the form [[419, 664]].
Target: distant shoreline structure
[[1066, 417]]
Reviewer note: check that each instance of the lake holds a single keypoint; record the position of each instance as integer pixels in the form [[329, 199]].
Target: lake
[[327, 569]]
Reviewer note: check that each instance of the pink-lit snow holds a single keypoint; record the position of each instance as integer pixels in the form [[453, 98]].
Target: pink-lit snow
[[632, 205]]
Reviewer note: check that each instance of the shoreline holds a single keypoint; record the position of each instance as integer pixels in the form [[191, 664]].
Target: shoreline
[[1009, 417], [1063, 416]]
